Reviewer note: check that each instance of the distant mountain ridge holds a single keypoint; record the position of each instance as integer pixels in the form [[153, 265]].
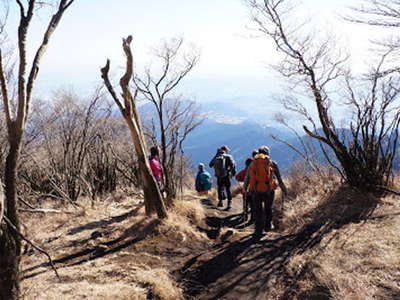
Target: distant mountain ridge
[[242, 138], [242, 133]]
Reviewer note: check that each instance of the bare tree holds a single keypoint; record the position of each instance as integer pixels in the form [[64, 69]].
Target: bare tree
[[72, 131], [10, 241], [176, 117], [381, 13], [305, 150], [1, 203], [152, 194], [365, 151]]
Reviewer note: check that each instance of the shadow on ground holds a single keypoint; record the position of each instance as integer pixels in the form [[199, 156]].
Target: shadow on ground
[[226, 218], [105, 222], [250, 268], [129, 237]]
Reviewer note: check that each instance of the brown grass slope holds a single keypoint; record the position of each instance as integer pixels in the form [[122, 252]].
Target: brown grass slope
[[110, 251], [357, 244], [332, 242]]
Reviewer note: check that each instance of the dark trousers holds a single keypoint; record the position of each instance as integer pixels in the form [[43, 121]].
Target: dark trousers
[[248, 206], [262, 204], [224, 185]]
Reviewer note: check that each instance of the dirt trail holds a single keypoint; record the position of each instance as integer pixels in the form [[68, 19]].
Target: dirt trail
[[243, 269], [101, 244], [248, 268]]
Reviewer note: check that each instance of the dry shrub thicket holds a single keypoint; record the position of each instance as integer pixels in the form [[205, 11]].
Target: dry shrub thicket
[[76, 146]]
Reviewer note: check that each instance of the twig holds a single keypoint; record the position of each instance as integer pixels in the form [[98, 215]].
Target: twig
[[33, 245], [1, 204], [386, 189], [26, 202], [51, 196], [44, 210]]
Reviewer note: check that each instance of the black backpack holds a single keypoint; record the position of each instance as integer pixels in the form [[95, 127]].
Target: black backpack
[[220, 166]]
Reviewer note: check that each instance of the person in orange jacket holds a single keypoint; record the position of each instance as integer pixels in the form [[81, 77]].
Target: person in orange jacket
[[260, 181]]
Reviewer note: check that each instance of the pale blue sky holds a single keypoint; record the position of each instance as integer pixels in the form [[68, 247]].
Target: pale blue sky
[[232, 64]]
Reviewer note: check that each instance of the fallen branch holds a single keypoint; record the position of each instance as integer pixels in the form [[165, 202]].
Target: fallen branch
[[386, 189], [44, 210], [32, 244], [26, 202], [1, 207], [50, 196]]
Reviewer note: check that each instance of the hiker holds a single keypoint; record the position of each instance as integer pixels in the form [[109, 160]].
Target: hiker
[[156, 167], [224, 168], [240, 177], [203, 181], [260, 181]]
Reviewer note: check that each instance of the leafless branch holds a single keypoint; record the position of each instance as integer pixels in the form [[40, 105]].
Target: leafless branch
[[33, 245]]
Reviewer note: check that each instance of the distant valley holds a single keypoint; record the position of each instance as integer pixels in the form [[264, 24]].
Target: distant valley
[[242, 138], [241, 130]]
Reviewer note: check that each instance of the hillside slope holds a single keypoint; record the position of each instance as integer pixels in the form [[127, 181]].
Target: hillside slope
[[331, 243]]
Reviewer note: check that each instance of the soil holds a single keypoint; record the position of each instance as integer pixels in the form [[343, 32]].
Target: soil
[[246, 268], [256, 268], [231, 265]]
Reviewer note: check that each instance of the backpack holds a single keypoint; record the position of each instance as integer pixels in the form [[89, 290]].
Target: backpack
[[262, 174], [205, 181], [220, 166], [241, 175]]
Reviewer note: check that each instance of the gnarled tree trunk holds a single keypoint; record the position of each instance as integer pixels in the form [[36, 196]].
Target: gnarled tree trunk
[[152, 195], [10, 241]]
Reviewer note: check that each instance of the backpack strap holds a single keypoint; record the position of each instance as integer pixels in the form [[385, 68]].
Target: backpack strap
[[269, 172]]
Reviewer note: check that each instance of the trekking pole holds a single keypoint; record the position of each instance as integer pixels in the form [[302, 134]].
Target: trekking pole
[[181, 175]]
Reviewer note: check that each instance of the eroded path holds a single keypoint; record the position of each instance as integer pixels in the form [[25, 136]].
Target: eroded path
[[246, 268], [242, 269]]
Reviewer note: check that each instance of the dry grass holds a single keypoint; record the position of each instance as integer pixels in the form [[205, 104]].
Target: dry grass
[[356, 259], [180, 226], [236, 190], [306, 192], [139, 268]]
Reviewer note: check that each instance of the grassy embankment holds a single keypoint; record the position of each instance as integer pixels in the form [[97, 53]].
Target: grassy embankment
[[112, 251]]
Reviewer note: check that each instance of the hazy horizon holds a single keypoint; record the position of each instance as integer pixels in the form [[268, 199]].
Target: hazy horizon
[[233, 66]]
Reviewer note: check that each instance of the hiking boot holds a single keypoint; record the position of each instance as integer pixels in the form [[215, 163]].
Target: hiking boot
[[229, 205], [220, 204], [257, 236], [269, 227], [244, 217]]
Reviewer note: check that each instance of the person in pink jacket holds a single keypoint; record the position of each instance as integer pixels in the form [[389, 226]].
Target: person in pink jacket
[[155, 166]]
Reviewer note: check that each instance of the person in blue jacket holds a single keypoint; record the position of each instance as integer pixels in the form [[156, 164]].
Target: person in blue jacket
[[203, 181]]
